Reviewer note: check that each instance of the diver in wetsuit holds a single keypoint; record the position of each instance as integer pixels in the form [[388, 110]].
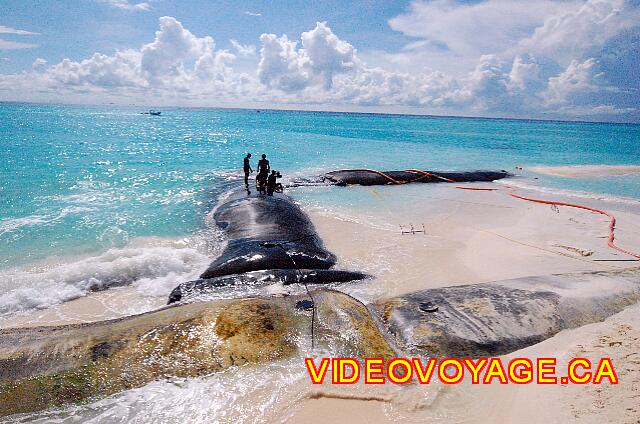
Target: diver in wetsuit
[[247, 169], [271, 183]]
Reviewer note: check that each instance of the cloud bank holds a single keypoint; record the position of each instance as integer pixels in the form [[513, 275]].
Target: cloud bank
[[547, 59]]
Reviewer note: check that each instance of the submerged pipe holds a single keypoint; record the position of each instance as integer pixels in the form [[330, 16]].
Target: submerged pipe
[[51, 367]]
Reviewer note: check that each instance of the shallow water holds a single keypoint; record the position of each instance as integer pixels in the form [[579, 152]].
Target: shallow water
[[78, 182], [93, 197]]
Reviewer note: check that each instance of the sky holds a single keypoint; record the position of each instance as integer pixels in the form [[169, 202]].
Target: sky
[[543, 59]]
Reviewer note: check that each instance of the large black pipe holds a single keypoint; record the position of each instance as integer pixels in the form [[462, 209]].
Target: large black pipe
[[369, 178], [286, 277], [266, 232]]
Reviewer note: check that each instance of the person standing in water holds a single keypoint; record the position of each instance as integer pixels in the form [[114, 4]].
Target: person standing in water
[[263, 169], [247, 169]]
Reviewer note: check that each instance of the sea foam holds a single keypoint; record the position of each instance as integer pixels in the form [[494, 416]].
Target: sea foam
[[154, 268]]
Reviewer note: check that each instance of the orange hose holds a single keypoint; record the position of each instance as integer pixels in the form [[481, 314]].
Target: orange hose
[[430, 174], [612, 220], [373, 171], [393, 180]]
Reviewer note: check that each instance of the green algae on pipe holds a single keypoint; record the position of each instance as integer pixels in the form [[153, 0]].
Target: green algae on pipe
[[47, 367], [51, 366]]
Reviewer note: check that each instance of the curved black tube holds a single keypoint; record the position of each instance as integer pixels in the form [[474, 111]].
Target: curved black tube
[[254, 224], [271, 276]]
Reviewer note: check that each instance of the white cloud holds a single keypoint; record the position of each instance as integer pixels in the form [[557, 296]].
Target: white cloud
[[9, 30], [524, 75], [14, 45], [375, 86], [580, 30], [164, 58], [452, 34], [100, 71], [39, 64], [320, 68], [485, 84], [248, 50], [595, 110], [284, 66], [280, 64], [175, 61], [328, 55], [246, 12], [127, 5], [474, 29], [578, 78]]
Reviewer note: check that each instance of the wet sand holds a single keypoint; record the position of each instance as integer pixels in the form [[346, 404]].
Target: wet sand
[[586, 171], [113, 303], [477, 236]]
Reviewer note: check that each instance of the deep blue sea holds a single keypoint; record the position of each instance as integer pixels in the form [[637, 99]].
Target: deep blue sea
[[81, 181]]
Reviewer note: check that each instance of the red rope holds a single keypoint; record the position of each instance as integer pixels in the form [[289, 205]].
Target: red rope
[[612, 220], [373, 171], [430, 174]]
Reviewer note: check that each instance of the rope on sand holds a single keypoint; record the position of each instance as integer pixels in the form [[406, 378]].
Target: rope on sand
[[612, 218], [476, 188]]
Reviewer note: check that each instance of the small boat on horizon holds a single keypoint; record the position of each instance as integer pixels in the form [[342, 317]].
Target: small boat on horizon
[[152, 112]]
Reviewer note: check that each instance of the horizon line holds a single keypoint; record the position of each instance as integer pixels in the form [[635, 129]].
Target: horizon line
[[284, 109]]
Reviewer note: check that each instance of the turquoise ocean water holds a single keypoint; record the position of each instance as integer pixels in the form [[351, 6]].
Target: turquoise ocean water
[[81, 180]]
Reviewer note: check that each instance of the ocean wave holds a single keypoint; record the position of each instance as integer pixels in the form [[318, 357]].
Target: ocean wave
[[9, 225], [272, 392], [154, 268], [240, 394]]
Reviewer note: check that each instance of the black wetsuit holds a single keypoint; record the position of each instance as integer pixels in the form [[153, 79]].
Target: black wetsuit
[[247, 170], [271, 184], [263, 170]]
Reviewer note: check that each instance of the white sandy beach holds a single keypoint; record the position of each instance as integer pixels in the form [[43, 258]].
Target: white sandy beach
[[478, 236], [471, 237]]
